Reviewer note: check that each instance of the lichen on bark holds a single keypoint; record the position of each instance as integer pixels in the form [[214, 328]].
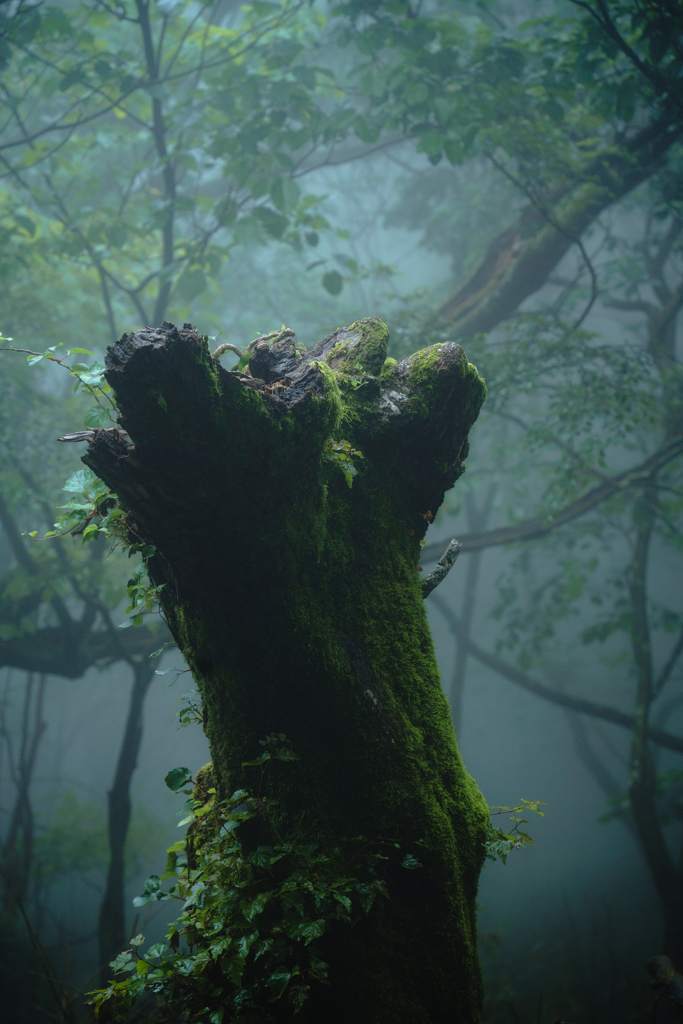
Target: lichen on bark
[[296, 602]]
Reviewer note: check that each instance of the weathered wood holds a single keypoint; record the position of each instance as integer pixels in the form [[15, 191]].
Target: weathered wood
[[297, 603]]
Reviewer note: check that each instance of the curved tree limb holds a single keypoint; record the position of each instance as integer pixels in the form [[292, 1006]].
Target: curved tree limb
[[539, 526], [52, 650], [563, 700], [519, 261]]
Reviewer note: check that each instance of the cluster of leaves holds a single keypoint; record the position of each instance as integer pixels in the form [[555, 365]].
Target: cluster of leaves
[[253, 913], [500, 844], [143, 595], [549, 92], [340, 455], [95, 511], [235, 97]]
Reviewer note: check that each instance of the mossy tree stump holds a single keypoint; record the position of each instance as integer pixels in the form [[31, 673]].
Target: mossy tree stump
[[296, 602]]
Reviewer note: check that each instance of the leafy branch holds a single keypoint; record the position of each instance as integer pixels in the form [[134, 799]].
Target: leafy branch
[[500, 844], [252, 918]]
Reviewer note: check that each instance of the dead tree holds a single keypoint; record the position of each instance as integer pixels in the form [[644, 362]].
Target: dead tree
[[296, 601]]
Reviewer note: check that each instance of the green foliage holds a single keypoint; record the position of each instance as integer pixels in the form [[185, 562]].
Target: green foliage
[[234, 99], [95, 511], [253, 913], [549, 93], [340, 455], [499, 844]]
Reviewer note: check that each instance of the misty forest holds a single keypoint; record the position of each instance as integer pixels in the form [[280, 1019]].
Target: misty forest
[[341, 511]]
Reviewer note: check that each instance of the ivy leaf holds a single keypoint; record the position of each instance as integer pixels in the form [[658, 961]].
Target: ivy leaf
[[279, 980], [96, 417], [80, 481], [259, 760], [177, 777]]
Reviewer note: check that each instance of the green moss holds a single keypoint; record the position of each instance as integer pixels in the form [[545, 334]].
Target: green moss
[[363, 348], [389, 364]]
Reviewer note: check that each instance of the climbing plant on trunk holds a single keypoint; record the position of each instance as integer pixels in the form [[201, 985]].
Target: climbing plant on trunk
[[283, 507]]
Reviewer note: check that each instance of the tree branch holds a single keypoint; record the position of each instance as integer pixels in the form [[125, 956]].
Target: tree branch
[[540, 526], [563, 700], [443, 567], [52, 650], [519, 261]]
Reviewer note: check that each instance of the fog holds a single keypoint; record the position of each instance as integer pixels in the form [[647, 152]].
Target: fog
[[568, 924]]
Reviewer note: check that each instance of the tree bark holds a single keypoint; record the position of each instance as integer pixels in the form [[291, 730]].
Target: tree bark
[[296, 602]]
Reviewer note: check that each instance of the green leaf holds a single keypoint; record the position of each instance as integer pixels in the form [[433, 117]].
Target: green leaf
[[122, 962], [80, 481], [151, 892], [333, 282], [274, 223], [96, 417], [365, 131], [157, 654], [307, 930], [279, 980], [70, 79], [259, 760], [177, 777]]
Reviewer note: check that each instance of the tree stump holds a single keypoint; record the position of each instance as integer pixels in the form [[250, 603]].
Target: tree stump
[[296, 601]]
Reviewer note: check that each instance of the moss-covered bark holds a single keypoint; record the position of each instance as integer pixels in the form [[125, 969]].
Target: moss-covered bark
[[296, 601]]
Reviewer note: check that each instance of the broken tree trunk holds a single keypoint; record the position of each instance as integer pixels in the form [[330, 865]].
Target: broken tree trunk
[[297, 604]]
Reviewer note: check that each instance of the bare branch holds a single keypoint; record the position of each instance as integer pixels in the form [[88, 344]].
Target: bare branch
[[563, 700], [540, 526], [443, 567]]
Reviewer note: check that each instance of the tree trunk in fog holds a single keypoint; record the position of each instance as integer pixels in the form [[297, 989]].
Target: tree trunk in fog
[[18, 849], [519, 261], [297, 603], [111, 930]]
